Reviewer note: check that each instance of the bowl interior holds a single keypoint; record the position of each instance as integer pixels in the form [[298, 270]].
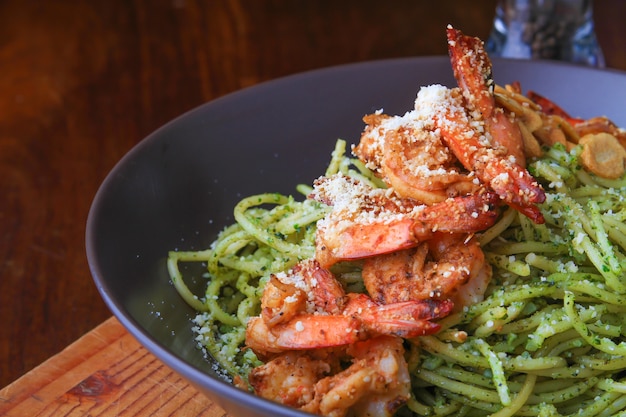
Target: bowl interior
[[177, 188]]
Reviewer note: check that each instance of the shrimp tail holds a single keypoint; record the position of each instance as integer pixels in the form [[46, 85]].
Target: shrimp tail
[[472, 70], [516, 186]]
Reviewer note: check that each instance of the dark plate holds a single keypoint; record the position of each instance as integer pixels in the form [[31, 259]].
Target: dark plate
[[177, 188]]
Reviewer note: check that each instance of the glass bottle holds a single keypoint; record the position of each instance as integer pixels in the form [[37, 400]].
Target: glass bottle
[[545, 29]]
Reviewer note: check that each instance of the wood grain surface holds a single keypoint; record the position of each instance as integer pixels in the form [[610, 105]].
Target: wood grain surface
[[83, 81], [104, 373]]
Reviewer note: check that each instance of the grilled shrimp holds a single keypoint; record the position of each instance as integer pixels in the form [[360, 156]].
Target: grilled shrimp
[[326, 318], [305, 286], [455, 141], [412, 159], [483, 144], [472, 70], [377, 381], [290, 378], [366, 222], [440, 268]]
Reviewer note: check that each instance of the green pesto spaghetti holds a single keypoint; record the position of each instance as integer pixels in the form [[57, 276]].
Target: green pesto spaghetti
[[271, 234], [549, 339]]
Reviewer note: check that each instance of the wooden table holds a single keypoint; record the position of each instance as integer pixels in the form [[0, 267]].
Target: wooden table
[[82, 81], [106, 373]]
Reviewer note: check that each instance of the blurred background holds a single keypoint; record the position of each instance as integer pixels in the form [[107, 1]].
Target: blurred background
[[83, 81]]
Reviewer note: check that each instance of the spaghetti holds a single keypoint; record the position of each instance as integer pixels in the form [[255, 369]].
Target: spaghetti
[[548, 339]]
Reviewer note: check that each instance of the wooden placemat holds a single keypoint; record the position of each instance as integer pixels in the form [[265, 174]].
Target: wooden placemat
[[104, 373]]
